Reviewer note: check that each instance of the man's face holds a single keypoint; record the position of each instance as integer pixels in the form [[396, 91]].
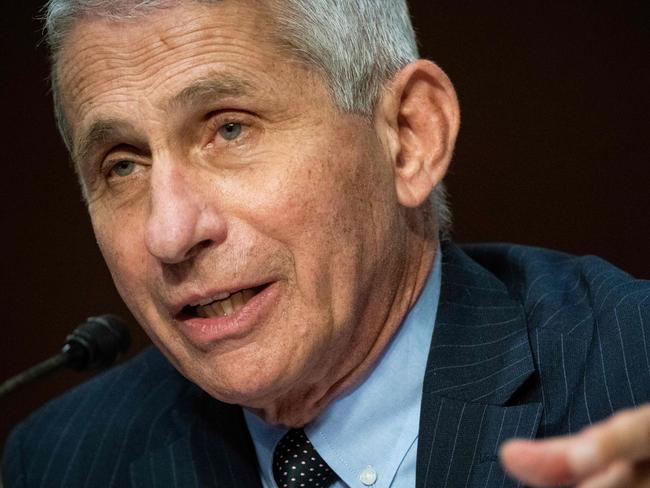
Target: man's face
[[250, 226]]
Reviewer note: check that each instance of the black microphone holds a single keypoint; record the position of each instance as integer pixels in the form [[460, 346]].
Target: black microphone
[[95, 344]]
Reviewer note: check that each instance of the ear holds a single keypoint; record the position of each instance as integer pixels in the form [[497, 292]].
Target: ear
[[420, 115]]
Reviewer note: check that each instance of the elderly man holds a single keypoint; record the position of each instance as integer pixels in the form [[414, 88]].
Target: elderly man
[[264, 179]]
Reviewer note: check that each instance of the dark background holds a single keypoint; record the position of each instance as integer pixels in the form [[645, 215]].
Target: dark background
[[553, 152]]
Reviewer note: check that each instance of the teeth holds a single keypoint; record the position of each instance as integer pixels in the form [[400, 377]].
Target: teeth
[[207, 301], [216, 308], [237, 300], [226, 305]]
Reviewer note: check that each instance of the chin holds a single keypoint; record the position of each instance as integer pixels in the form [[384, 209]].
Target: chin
[[237, 384]]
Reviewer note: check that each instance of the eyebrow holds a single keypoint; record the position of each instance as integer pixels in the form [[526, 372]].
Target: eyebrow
[[104, 131], [210, 88], [100, 133]]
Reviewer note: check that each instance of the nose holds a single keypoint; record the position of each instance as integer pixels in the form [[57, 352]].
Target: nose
[[182, 218]]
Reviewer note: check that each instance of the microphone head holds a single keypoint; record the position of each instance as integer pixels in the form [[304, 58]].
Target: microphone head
[[97, 342]]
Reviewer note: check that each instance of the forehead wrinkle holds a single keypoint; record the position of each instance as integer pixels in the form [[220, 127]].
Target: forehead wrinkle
[[214, 87], [143, 57]]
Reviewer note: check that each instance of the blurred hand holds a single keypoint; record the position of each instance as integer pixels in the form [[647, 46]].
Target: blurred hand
[[612, 453]]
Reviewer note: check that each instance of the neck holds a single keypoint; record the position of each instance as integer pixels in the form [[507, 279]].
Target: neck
[[388, 310]]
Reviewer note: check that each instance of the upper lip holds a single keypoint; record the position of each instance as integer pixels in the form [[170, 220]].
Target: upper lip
[[193, 299]]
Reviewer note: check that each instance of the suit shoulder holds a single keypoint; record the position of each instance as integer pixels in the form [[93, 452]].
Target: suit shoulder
[[588, 324], [555, 284], [121, 410], [132, 381]]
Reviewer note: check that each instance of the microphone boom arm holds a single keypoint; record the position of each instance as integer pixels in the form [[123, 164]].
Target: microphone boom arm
[[33, 373], [95, 344]]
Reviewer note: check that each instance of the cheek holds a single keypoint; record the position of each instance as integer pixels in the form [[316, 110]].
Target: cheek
[[121, 244], [329, 209], [314, 193]]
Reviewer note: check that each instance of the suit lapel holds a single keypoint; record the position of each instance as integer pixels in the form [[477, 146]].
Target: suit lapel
[[213, 449], [480, 356]]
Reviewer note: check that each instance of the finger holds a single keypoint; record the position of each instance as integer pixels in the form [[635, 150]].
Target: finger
[[619, 474], [624, 436], [538, 463], [569, 459]]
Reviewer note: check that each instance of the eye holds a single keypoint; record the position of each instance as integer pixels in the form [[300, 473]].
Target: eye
[[123, 168], [230, 131]]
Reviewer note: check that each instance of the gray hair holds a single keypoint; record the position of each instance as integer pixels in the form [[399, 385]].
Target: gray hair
[[357, 45]]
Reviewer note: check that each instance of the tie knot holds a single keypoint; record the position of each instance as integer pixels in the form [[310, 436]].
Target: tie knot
[[296, 464]]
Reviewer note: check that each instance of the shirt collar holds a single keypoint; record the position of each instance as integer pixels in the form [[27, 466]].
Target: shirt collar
[[376, 423]]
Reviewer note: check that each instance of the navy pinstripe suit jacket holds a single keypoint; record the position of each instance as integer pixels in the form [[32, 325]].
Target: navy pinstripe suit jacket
[[528, 343]]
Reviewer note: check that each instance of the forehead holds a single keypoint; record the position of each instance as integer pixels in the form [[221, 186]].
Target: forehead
[[167, 28], [106, 63]]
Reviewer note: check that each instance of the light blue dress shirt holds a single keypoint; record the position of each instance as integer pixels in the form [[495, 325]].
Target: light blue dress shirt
[[369, 435]]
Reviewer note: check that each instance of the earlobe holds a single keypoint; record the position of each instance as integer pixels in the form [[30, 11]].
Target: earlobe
[[424, 114]]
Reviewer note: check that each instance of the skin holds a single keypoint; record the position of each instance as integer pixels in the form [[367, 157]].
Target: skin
[[325, 205], [610, 454]]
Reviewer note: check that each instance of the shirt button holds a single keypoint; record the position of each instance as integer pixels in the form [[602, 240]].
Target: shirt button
[[368, 476]]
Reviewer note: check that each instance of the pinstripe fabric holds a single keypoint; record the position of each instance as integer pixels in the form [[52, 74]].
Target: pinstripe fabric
[[528, 343], [479, 358], [142, 425]]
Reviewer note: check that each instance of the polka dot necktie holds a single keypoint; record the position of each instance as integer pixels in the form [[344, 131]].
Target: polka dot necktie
[[296, 464]]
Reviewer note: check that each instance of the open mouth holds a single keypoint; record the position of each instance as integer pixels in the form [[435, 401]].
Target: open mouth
[[223, 305]]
